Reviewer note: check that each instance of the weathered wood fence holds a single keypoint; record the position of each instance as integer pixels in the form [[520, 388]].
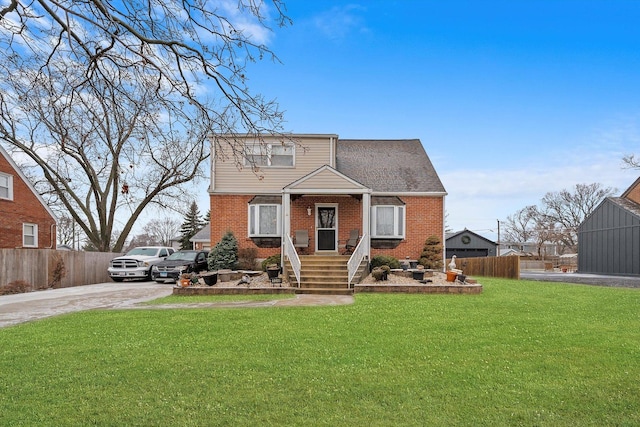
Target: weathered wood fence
[[47, 268], [506, 266]]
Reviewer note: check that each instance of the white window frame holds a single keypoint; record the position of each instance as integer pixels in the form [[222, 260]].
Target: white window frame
[[266, 150], [8, 179], [256, 220], [399, 222], [25, 235]]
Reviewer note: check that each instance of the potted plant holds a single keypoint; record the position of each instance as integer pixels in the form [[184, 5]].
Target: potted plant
[[418, 274], [210, 278], [272, 271], [185, 280]]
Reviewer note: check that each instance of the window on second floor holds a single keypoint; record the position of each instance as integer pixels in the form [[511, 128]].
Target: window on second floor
[[387, 222], [30, 235], [6, 186], [264, 220], [274, 155]]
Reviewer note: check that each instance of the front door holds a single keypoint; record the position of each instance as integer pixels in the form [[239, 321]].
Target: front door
[[326, 227]]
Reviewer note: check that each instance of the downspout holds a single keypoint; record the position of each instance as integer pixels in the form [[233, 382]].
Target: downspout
[[444, 240], [52, 238]]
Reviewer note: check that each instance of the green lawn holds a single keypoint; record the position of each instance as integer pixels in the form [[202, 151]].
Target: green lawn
[[521, 353]]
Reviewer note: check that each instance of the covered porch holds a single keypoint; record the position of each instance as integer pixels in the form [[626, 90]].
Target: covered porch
[[320, 212]]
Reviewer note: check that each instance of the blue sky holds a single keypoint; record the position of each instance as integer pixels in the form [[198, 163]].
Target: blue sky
[[511, 99]]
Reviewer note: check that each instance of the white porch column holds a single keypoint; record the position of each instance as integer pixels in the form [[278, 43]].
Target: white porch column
[[286, 222], [286, 214], [366, 220]]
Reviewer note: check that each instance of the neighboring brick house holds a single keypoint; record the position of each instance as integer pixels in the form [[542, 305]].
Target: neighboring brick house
[[25, 219], [387, 190]]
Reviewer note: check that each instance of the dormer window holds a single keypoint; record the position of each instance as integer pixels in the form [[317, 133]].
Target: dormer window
[[270, 155]]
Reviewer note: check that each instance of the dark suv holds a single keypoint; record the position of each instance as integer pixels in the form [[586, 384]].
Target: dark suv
[[180, 262]]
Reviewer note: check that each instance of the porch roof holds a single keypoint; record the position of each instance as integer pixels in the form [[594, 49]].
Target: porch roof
[[326, 180]]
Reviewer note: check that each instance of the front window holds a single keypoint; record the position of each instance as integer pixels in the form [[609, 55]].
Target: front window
[[30, 235], [264, 220], [277, 155], [387, 222], [6, 186]]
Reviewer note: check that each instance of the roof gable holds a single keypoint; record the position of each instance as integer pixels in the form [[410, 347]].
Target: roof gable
[[388, 166], [633, 192], [454, 234], [26, 181], [323, 178]]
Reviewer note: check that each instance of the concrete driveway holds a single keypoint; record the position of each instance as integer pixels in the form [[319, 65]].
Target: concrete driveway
[[29, 306], [583, 278]]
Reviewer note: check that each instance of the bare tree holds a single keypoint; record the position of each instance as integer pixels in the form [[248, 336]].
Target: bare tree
[[631, 161], [565, 210], [163, 230], [557, 218], [104, 99], [520, 227]]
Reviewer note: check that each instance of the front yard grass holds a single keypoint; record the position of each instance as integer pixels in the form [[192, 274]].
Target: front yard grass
[[521, 353]]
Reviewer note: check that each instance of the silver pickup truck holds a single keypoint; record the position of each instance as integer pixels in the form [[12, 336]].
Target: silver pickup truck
[[137, 263]]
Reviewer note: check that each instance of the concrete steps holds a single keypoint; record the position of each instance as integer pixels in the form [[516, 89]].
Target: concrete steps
[[323, 274]]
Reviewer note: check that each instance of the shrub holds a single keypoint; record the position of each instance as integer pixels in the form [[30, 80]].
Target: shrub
[[380, 260], [15, 287], [247, 258], [431, 256], [273, 259], [378, 274], [224, 254]]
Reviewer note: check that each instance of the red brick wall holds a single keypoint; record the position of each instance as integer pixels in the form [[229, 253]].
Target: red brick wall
[[24, 208], [424, 217], [634, 194]]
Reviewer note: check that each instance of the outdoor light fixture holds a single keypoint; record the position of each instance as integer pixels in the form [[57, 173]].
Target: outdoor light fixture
[[309, 210]]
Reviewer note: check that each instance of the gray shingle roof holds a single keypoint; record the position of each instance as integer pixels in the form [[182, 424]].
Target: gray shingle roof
[[400, 165], [627, 204]]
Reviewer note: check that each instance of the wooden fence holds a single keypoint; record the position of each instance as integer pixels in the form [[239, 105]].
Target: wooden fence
[[506, 266], [47, 268]]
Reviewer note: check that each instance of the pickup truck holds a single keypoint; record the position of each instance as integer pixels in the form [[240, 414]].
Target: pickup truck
[[137, 263]]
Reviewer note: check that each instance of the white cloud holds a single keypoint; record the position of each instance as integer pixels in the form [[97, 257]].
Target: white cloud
[[339, 21]]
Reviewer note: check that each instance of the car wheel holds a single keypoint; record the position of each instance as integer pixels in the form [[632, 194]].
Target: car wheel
[[117, 279]]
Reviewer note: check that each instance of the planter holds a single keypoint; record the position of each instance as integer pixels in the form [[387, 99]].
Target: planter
[[210, 279], [185, 282], [418, 274], [273, 272], [224, 275], [462, 277], [451, 276]]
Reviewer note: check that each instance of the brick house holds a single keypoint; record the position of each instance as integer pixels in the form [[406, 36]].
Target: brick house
[[26, 221], [385, 191]]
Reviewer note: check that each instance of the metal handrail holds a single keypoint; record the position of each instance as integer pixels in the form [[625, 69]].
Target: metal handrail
[[292, 256], [359, 253]]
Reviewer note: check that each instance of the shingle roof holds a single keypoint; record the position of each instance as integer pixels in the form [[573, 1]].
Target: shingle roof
[[204, 235], [626, 204], [388, 165]]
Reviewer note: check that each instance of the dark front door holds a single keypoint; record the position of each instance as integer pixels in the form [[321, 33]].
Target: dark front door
[[326, 228]]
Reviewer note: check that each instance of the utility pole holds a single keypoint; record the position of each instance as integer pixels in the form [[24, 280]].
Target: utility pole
[[498, 251]]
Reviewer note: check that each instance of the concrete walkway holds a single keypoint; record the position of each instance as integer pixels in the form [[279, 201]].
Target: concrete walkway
[[19, 308]]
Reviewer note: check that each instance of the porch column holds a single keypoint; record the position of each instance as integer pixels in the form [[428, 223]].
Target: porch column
[[286, 215], [366, 214]]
